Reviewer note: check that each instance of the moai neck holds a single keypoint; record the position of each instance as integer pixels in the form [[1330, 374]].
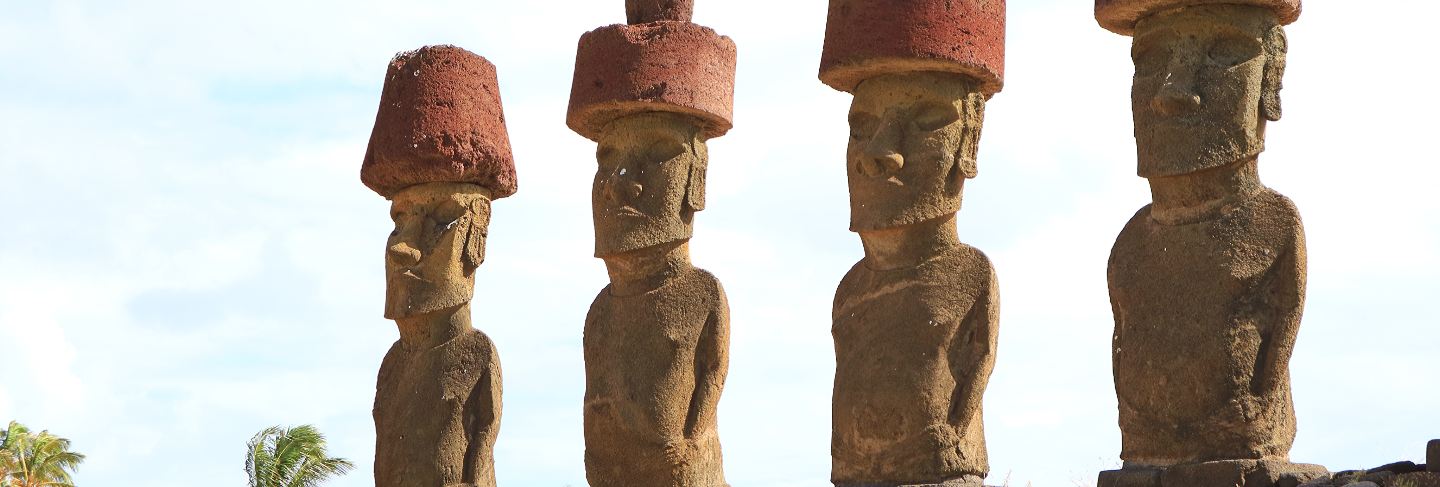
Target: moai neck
[[431, 330], [909, 245], [1200, 196], [647, 269]]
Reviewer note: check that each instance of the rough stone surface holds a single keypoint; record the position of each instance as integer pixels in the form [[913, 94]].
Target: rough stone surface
[[1120, 16], [644, 11], [657, 338], [1432, 456], [915, 321], [440, 120], [663, 66], [865, 38], [1417, 479], [437, 398], [1208, 282], [1226, 473]]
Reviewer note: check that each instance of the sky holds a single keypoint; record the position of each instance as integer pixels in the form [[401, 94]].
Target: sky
[[187, 254]]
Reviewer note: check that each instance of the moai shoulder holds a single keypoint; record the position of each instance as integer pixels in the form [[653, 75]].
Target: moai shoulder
[[440, 153]]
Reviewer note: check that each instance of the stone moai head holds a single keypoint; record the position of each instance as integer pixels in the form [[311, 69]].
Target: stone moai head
[[921, 73], [440, 153], [1207, 77], [650, 95], [650, 182]]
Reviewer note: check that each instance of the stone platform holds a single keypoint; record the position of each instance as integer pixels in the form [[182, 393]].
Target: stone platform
[[1228, 473]]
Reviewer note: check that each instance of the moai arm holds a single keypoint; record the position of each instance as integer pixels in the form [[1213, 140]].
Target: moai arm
[[1283, 289], [482, 424], [712, 363], [972, 354]]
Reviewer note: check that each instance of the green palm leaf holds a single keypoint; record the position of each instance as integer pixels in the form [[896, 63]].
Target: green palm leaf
[[295, 457]]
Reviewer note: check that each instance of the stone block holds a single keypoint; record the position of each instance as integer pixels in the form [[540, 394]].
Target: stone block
[[1247, 473], [865, 38], [676, 67], [1135, 477], [440, 120], [1120, 16], [1432, 456]]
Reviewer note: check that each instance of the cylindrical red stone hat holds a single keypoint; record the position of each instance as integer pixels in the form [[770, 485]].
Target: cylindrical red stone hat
[[440, 120], [1120, 16], [663, 63], [865, 38]]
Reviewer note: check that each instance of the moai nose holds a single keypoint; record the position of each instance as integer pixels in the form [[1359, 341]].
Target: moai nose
[[623, 188], [881, 165], [403, 254], [1176, 97]]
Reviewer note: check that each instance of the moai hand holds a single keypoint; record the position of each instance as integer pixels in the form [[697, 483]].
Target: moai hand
[[1207, 283], [440, 153], [915, 321], [656, 338]]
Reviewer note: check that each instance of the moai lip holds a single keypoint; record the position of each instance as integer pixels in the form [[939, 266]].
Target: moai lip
[[915, 322], [440, 152], [657, 338], [1208, 281]]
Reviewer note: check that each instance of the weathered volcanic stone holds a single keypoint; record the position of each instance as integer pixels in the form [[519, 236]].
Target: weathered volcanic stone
[[1249, 473], [865, 38], [1120, 16], [1432, 456], [664, 66], [657, 338], [645, 11], [1207, 283], [440, 120]]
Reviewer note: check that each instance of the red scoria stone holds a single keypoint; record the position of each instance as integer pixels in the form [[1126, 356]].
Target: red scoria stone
[[676, 67], [865, 38], [645, 11], [1120, 16], [440, 120]]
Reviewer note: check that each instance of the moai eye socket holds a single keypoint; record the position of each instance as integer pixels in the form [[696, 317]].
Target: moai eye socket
[[862, 126], [1233, 51], [663, 151], [1150, 59], [932, 117]]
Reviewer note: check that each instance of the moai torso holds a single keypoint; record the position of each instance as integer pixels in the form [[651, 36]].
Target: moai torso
[[649, 411], [907, 343], [1207, 283], [438, 432], [1205, 318]]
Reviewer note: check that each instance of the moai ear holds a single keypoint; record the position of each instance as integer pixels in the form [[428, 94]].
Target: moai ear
[[974, 120], [477, 223], [695, 181], [1276, 46]]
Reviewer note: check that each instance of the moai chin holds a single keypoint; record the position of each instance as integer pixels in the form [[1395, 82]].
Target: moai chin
[[915, 321], [440, 153], [650, 94], [1207, 282]]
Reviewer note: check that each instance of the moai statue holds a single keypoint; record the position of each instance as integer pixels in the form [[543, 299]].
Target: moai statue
[[657, 338], [915, 321], [440, 153], [1208, 281]]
